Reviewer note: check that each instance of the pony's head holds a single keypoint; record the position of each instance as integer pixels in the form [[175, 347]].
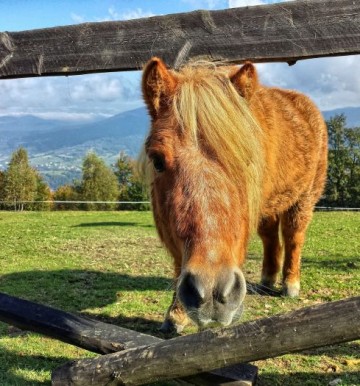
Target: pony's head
[[205, 154]]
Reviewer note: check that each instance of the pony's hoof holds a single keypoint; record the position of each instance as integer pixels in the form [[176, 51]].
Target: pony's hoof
[[291, 290], [169, 327]]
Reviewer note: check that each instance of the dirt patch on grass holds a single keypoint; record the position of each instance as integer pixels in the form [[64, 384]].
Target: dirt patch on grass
[[121, 253]]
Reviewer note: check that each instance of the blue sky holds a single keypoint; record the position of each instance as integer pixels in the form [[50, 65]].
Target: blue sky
[[331, 82]]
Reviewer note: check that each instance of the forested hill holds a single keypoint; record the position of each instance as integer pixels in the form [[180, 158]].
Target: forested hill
[[56, 148]]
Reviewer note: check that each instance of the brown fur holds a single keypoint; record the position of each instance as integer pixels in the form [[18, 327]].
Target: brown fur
[[236, 154]]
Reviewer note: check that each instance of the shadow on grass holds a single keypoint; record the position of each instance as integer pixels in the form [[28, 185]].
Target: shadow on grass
[[334, 262], [259, 289], [113, 224], [145, 326], [81, 290]]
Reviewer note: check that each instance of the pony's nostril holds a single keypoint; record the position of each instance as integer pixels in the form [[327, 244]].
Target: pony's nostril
[[230, 290], [237, 282], [191, 293]]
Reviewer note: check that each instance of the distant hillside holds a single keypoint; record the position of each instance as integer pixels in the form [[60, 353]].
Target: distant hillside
[[124, 131], [56, 148]]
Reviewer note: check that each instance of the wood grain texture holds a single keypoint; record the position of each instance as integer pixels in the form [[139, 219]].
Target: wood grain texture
[[103, 338], [306, 328], [279, 32], [90, 334]]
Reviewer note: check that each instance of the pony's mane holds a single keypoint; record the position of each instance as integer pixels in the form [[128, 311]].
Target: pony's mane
[[208, 106]]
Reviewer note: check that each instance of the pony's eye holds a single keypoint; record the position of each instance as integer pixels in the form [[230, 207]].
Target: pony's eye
[[159, 163]]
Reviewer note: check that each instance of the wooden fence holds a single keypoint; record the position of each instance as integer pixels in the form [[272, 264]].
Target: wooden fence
[[279, 32], [285, 32]]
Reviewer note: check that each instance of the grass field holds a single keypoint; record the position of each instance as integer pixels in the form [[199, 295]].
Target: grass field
[[110, 265]]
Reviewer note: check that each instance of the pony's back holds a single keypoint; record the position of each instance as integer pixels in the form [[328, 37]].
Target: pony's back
[[295, 147], [295, 151]]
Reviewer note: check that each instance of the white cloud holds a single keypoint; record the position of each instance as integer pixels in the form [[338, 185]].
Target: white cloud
[[245, 3], [96, 87], [204, 4], [330, 82], [249, 3], [136, 13], [71, 97], [112, 15], [77, 18]]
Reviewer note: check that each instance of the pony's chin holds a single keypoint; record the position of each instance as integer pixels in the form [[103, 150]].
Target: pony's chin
[[204, 324]]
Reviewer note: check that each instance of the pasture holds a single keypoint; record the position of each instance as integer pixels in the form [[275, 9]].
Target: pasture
[[110, 265]]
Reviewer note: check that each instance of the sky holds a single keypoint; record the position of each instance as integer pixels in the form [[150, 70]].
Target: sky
[[330, 82]]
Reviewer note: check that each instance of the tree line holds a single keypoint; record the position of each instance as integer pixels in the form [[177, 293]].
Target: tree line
[[22, 187], [343, 179]]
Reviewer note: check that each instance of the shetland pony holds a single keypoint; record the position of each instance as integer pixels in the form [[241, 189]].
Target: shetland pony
[[229, 156]]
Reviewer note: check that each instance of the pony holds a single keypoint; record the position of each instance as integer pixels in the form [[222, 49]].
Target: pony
[[228, 156]]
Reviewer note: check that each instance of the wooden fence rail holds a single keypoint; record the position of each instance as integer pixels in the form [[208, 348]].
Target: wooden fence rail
[[102, 337], [306, 328], [279, 32]]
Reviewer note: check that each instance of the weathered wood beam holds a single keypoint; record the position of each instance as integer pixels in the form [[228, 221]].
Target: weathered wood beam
[[90, 334], [102, 337], [310, 327], [279, 32]]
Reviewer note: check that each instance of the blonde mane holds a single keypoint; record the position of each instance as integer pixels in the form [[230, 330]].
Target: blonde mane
[[207, 104]]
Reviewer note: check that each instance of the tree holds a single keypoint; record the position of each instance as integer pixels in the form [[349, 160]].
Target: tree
[[124, 167], [353, 139], [343, 185], [99, 183], [20, 180], [66, 193], [43, 194], [131, 183], [2, 189]]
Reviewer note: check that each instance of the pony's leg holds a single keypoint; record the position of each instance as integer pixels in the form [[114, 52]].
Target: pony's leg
[[294, 223], [176, 318], [268, 231]]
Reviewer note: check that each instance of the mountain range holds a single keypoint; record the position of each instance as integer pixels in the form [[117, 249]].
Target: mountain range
[[56, 148]]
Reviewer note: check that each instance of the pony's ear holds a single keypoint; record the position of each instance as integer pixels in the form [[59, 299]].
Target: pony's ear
[[158, 83], [245, 80]]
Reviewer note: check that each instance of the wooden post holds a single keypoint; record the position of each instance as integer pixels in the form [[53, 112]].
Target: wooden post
[[307, 328]]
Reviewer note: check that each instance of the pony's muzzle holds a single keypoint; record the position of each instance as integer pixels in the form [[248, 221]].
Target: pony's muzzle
[[211, 301]]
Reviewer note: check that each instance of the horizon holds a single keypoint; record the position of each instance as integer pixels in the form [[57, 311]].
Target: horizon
[[87, 119]]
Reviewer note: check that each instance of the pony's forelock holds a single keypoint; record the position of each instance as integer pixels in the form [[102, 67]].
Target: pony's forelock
[[207, 105]]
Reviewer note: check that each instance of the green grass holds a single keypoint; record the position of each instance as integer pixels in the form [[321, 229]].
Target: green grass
[[110, 265]]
